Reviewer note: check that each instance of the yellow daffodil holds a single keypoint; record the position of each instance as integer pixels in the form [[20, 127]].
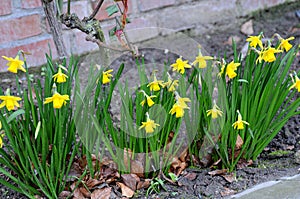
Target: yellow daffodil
[[14, 64], [58, 100], [254, 41], [179, 110], [231, 68], [296, 84], [10, 102], [239, 124], [285, 45], [149, 125], [106, 76], [171, 84], [179, 106], [222, 70], [215, 112], [1, 140], [148, 99], [155, 85], [201, 60], [180, 65], [182, 101], [268, 54], [60, 77]]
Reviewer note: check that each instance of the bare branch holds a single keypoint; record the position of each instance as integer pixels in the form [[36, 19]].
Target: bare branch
[[95, 10], [102, 44]]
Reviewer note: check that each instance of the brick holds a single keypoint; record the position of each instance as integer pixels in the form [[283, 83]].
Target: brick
[[20, 28], [146, 5], [102, 14], [31, 4], [5, 7], [37, 50]]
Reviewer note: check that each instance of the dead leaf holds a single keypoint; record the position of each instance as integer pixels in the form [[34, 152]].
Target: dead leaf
[[218, 172], [191, 176], [64, 194], [143, 184], [242, 163], [183, 155], [85, 192], [227, 192], [229, 177], [126, 191], [101, 193], [239, 142], [92, 183], [130, 180], [290, 147], [247, 28]]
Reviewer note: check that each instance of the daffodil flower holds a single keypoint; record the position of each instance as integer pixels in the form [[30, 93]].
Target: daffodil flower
[[268, 54], [148, 99], [106, 76], [14, 64], [179, 110], [180, 65], [58, 100], [155, 84], [254, 41], [10, 102], [231, 68], [215, 112], [149, 125], [1, 140], [179, 106], [296, 82], [222, 70], [285, 45], [201, 60], [171, 84], [239, 124], [60, 77]]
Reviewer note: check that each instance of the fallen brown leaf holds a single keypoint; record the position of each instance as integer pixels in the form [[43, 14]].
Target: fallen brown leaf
[[143, 184], [64, 194], [130, 180], [229, 177], [92, 183], [126, 191], [218, 172], [101, 193], [85, 192], [239, 142], [227, 192], [190, 176]]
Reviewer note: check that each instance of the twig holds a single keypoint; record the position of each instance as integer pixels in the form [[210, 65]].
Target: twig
[[95, 11]]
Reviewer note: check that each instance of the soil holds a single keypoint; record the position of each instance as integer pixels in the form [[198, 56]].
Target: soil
[[269, 166]]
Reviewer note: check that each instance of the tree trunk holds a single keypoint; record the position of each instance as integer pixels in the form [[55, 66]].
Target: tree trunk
[[55, 26]]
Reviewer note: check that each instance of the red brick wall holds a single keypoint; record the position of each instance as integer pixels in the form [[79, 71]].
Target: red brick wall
[[23, 23]]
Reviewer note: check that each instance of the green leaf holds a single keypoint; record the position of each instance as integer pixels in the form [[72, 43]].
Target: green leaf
[[112, 31], [112, 10], [15, 114]]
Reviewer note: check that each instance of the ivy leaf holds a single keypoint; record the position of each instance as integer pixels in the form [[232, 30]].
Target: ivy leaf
[[112, 10]]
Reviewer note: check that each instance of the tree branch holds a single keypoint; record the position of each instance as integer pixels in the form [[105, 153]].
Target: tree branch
[[95, 10]]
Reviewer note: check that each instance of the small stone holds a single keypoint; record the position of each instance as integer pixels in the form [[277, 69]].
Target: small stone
[[247, 28], [297, 157]]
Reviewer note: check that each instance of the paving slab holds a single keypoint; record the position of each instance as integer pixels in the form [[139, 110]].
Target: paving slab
[[284, 188]]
